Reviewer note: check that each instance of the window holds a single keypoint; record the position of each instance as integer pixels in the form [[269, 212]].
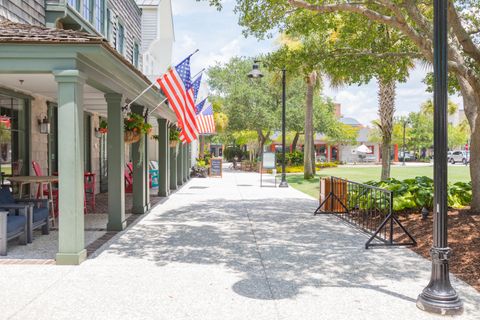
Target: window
[[87, 10], [75, 4], [109, 25], [14, 135], [135, 55], [99, 11], [120, 38]]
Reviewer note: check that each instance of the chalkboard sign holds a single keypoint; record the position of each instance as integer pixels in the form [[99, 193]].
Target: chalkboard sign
[[268, 160], [216, 167]]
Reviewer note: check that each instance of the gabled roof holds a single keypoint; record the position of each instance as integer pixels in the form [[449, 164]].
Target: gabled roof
[[25, 33]]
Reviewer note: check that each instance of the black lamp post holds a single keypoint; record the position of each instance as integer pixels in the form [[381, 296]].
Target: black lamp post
[[439, 295], [255, 74]]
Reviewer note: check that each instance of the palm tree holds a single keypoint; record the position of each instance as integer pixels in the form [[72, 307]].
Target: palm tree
[[386, 110]]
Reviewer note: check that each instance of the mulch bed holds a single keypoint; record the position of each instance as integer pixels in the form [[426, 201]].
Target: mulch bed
[[463, 239]]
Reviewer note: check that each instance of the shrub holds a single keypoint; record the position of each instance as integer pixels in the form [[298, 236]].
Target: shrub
[[415, 193], [290, 169], [321, 165], [293, 158], [231, 152]]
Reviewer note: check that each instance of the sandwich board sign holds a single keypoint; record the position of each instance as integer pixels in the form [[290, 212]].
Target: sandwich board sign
[[269, 162], [216, 167]]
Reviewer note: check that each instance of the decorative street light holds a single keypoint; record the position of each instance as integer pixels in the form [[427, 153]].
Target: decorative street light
[[439, 295], [255, 74]]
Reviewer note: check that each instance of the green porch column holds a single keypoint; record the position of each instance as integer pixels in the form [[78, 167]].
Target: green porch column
[[71, 235], [173, 167], [163, 155], [189, 161], [116, 163], [140, 178], [180, 166], [184, 162]]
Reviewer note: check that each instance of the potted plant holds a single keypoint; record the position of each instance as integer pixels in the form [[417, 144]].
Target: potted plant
[[174, 137], [103, 128], [200, 170], [135, 127]]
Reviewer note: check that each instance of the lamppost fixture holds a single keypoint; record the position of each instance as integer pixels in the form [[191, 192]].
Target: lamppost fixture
[[255, 74], [439, 296]]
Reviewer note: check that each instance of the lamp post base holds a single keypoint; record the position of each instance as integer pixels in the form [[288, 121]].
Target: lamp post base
[[439, 296], [283, 183]]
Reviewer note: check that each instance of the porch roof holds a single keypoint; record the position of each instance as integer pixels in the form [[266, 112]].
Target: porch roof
[[36, 50]]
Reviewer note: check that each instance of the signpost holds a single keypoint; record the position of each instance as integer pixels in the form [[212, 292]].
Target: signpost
[[268, 163], [216, 167]]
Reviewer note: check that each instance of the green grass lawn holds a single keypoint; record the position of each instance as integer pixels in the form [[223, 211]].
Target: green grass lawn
[[362, 174]]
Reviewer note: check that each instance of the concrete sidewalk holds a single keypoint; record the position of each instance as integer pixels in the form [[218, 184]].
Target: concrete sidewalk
[[227, 249]]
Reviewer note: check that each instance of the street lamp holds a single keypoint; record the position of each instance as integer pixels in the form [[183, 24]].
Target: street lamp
[[255, 74], [439, 295]]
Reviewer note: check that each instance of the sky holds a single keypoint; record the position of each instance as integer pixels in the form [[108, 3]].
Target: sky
[[219, 37]]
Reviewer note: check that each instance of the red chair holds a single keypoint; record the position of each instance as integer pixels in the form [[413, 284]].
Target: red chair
[[129, 179], [44, 191], [89, 187], [128, 174]]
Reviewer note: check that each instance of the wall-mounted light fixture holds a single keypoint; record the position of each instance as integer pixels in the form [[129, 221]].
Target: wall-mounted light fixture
[[44, 125]]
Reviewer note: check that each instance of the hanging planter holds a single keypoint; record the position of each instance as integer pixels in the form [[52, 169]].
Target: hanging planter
[[135, 127], [174, 137], [131, 137]]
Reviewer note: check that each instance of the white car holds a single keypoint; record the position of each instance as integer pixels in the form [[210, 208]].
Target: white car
[[459, 156]]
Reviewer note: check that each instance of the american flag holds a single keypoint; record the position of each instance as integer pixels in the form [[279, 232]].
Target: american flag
[[177, 86], [199, 106], [196, 87], [205, 120]]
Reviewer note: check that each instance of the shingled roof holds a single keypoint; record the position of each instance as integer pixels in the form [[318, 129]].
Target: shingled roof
[[13, 32], [26, 33]]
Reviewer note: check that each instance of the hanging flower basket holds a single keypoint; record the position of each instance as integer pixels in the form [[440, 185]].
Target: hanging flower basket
[[173, 137], [131, 137]]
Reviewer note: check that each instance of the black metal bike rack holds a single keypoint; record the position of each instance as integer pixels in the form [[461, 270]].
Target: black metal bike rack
[[366, 207]]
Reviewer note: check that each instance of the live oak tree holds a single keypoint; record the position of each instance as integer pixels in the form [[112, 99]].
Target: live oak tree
[[414, 20]]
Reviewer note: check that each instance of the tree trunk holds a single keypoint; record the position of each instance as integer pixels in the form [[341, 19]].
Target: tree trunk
[[261, 142], [314, 169], [308, 146], [201, 153], [471, 104], [295, 141], [386, 101]]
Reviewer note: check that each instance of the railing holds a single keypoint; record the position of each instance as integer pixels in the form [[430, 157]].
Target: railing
[[367, 207]]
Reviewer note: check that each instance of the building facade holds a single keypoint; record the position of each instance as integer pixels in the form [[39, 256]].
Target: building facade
[[71, 64]]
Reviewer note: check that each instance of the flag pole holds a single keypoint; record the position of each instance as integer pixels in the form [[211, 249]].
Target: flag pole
[[141, 94], [163, 101], [153, 83], [198, 73]]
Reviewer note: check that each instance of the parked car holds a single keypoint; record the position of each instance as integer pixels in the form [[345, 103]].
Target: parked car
[[459, 156], [408, 156]]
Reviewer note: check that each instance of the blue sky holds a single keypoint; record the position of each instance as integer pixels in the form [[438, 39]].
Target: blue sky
[[219, 37]]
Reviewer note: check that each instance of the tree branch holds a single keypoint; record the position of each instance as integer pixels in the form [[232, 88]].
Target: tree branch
[[424, 44], [461, 34]]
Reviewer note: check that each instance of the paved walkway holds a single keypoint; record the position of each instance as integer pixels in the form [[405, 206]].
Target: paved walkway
[[226, 249]]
